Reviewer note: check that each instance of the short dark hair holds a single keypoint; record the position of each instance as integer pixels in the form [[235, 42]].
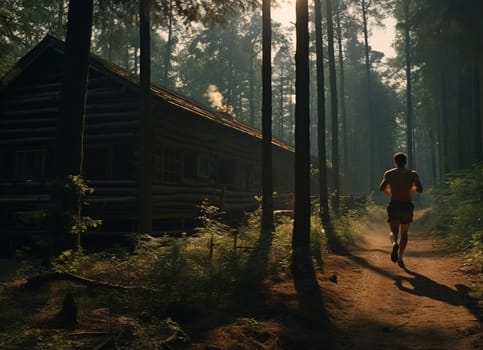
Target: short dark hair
[[400, 158]]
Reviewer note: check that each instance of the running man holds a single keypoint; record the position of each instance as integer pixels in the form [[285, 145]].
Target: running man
[[398, 183]]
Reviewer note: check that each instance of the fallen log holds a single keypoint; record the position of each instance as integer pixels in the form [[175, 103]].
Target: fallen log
[[36, 281]]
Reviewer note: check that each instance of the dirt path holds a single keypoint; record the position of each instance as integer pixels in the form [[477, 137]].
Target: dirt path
[[377, 305]]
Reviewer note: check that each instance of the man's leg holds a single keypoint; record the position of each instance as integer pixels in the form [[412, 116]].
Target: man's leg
[[393, 236], [404, 240], [394, 227]]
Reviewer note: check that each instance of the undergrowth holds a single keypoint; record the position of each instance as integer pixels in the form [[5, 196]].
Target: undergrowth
[[180, 277], [204, 268], [457, 212]]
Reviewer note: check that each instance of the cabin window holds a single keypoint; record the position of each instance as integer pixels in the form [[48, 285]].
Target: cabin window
[[190, 170], [226, 170], [29, 164], [196, 166], [276, 178], [249, 179], [171, 165], [204, 167], [108, 162]]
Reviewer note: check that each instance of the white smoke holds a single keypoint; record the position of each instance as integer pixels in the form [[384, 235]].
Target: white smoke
[[217, 101]]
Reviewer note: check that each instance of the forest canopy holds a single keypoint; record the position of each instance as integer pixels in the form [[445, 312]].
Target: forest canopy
[[188, 39]]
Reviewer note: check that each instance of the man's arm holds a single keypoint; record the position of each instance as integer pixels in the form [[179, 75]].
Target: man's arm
[[384, 185], [417, 183]]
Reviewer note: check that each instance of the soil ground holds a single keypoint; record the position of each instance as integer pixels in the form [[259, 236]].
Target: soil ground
[[378, 305], [373, 304], [359, 301]]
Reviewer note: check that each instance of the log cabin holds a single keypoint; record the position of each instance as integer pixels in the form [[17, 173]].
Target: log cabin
[[198, 152]]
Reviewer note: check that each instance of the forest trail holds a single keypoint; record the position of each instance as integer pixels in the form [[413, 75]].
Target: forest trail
[[375, 304]]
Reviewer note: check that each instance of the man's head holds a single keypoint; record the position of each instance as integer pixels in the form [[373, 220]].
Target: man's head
[[400, 159]]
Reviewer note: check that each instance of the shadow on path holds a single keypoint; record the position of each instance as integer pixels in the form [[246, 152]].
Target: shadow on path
[[366, 264], [426, 287], [305, 324], [310, 300]]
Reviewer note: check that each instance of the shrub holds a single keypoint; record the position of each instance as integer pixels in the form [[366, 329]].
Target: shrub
[[457, 210]]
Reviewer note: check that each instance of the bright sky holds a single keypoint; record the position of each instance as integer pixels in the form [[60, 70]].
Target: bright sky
[[380, 40]]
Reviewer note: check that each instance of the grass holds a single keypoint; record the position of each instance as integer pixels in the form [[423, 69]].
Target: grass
[[194, 277]]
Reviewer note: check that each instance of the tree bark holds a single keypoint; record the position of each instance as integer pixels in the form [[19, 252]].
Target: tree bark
[[145, 174], [343, 112], [71, 120], [409, 106], [479, 111], [169, 43], [267, 191], [334, 109], [321, 139], [70, 128], [301, 228], [370, 118]]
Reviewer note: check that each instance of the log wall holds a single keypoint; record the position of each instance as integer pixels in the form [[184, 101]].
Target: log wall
[[198, 154]]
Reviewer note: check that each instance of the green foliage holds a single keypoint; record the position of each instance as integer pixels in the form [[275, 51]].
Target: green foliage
[[204, 268], [457, 210], [211, 225], [336, 236], [191, 273], [23, 24], [66, 209], [318, 239], [70, 261], [195, 269], [281, 248], [476, 250], [157, 332]]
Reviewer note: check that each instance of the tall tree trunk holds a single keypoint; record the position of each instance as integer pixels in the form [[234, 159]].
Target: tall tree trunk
[[70, 130], [321, 139], [60, 15], [71, 121], [460, 156], [127, 57], [434, 157], [267, 192], [251, 106], [409, 105], [136, 59], [169, 43], [230, 83], [145, 179], [281, 119], [301, 228], [444, 154], [334, 109], [479, 111], [343, 112], [370, 117], [292, 115], [109, 45]]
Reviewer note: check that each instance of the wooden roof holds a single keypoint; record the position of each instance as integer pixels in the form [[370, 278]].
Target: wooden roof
[[51, 44]]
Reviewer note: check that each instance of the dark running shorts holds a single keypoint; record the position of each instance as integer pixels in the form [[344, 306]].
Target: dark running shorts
[[400, 211]]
